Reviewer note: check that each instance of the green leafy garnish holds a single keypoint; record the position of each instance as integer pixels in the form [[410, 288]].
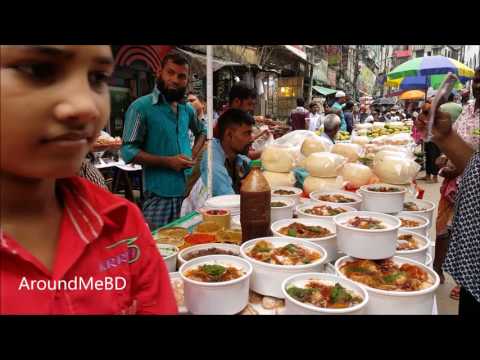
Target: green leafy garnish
[[339, 294], [316, 229], [214, 270], [391, 278], [291, 248], [299, 293], [358, 269], [292, 232]]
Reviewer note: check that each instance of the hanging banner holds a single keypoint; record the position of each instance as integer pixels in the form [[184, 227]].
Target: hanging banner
[[320, 71], [366, 80]]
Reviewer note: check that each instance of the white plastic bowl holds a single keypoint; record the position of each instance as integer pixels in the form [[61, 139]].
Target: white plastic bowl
[[422, 229], [223, 298], [170, 260], [228, 247], [295, 307], [267, 278], [300, 210], [382, 302], [230, 202], [295, 197], [419, 254], [235, 223], [429, 262], [383, 202], [367, 244], [356, 204], [285, 212], [329, 243], [428, 213]]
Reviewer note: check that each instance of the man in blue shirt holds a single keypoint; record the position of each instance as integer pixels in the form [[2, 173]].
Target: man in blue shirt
[[230, 161], [156, 136], [337, 108]]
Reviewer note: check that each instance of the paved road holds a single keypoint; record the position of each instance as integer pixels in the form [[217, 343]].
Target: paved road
[[446, 306]]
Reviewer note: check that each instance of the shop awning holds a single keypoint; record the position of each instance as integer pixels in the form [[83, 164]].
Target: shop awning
[[199, 62], [323, 90]]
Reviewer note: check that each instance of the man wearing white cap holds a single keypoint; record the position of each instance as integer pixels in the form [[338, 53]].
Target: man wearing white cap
[[337, 107]]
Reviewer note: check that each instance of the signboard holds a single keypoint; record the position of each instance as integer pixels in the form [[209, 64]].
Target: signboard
[[320, 71], [366, 80], [332, 78]]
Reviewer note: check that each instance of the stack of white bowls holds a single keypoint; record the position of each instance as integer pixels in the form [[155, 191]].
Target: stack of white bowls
[[378, 244]]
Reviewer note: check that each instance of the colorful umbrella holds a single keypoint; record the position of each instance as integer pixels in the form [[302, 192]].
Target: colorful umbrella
[[423, 82], [431, 65], [412, 95]]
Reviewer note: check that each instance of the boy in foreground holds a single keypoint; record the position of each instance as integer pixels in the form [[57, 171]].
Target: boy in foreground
[[66, 245]]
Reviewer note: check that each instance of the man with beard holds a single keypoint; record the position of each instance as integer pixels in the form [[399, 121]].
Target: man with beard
[[230, 163], [156, 136]]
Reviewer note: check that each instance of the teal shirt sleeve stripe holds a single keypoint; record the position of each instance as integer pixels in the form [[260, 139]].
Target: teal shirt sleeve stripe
[[133, 133]]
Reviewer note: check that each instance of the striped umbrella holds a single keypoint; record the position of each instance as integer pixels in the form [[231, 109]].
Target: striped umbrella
[[423, 82], [423, 72], [431, 65]]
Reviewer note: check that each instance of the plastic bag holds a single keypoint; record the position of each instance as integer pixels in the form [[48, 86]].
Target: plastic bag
[[280, 179], [261, 143], [357, 174], [324, 165], [403, 154], [364, 126], [399, 139], [312, 184], [360, 140], [396, 170], [315, 144], [350, 151], [277, 159]]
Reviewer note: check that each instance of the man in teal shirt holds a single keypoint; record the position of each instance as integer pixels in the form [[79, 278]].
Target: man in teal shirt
[[337, 107], [156, 136]]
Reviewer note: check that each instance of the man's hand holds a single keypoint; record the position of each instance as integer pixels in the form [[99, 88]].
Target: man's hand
[[442, 124], [180, 162]]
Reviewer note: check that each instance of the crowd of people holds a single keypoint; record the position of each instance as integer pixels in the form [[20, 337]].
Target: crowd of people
[[56, 225]]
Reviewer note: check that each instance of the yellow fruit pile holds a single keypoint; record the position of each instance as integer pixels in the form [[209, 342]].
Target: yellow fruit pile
[[342, 136]]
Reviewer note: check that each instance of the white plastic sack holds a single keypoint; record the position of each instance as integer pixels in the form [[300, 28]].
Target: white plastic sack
[[399, 139], [350, 151], [360, 140], [364, 126], [279, 179], [403, 154], [324, 165], [315, 144], [312, 184], [396, 170], [357, 174], [277, 159], [378, 125]]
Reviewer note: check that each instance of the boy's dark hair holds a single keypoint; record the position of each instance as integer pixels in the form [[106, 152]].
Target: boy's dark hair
[[242, 92], [349, 105], [300, 102], [175, 57], [233, 117], [312, 104], [200, 97]]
